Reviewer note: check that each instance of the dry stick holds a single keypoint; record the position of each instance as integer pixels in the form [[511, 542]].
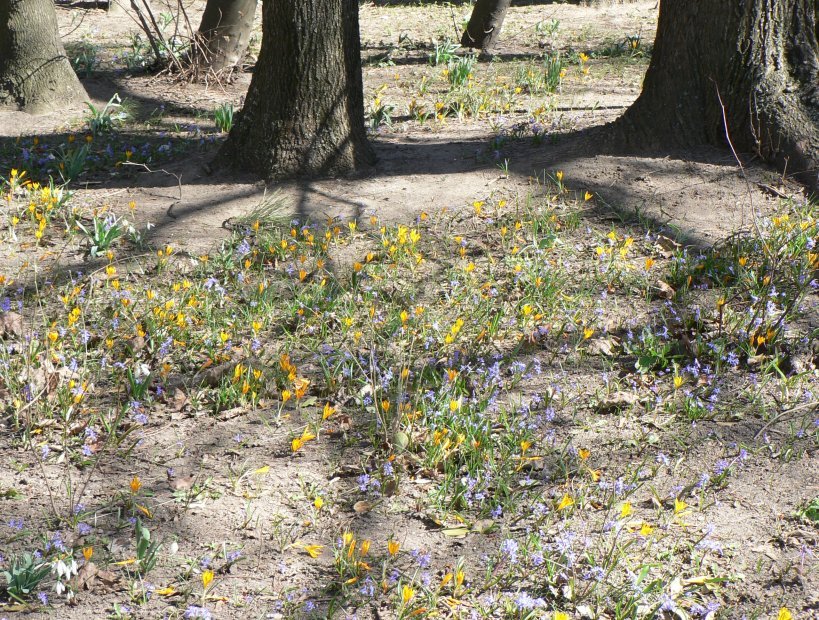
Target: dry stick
[[197, 48], [98, 460], [158, 31], [143, 24], [121, 4], [191, 32], [742, 169], [512, 37], [175, 21], [454, 23], [178, 177], [63, 35], [155, 33], [147, 29], [782, 414], [771, 256], [33, 400], [38, 457], [78, 496], [39, 460]]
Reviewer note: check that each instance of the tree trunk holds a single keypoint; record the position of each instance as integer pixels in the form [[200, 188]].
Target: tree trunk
[[304, 111], [485, 23], [35, 73], [746, 69], [224, 33]]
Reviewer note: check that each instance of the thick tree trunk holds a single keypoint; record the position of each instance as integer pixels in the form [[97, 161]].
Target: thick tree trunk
[[35, 74], [485, 23], [304, 111], [224, 33], [746, 69]]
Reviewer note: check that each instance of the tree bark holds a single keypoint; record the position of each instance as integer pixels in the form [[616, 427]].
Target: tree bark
[[738, 71], [35, 74], [224, 33], [485, 23], [304, 111]]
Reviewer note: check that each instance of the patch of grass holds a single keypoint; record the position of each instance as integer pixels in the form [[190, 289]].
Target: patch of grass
[[631, 46], [443, 53], [544, 77], [84, 56], [106, 119], [810, 511], [223, 117], [380, 112], [24, 576], [459, 70]]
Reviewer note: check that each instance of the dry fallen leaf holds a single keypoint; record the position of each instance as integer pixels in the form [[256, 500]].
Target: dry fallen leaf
[[42, 380], [90, 577], [11, 325], [482, 526], [181, 483], [603, 346], [86, 576], [616, 401], [667, 246], [344, 422], [663, 290], [135, 344], [212, 377], [179, 400], [390, 487]]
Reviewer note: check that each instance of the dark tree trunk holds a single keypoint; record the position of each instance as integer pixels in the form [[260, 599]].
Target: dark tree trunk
[[304, 111], [750, 66], [224, 33], [485, 23], [35, 74]]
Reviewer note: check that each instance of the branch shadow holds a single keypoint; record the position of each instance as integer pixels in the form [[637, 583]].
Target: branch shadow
[[185, 170], [103, 85]]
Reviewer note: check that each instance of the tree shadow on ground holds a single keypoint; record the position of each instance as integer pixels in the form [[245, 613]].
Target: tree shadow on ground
[[419, 54], [377, 59], [574, 153], [628, 185], [103, 85]]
